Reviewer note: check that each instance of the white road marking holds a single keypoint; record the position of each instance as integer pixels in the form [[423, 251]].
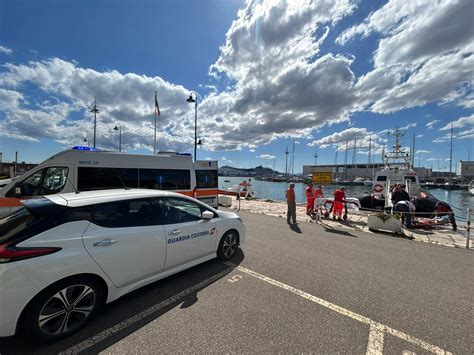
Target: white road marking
[[375, 344], [96, 339], [235, 278], [373, 324]]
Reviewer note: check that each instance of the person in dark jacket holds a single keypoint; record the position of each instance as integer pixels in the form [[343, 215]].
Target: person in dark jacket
[[404, 196], [443, 209]]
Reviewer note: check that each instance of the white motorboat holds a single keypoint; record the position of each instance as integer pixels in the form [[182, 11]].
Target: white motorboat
[[470, 187]]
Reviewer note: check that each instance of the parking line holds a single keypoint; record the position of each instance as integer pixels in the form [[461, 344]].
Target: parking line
[[379, 329], [375, 344], [96, 339]]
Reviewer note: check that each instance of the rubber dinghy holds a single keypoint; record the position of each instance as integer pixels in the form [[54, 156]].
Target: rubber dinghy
[[424, 203]]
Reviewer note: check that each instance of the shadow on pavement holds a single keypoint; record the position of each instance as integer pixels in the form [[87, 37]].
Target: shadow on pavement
[[295, 228], [131, 312], [338, 231]]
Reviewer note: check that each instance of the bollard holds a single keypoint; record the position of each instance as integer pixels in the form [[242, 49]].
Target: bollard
[[468, 227]]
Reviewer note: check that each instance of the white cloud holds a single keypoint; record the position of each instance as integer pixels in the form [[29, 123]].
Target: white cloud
[[5, 50], [359, 137], [282, 86], [419, 135], [266, 156], [432, 159], [430, 124], [421, 151], [461, 122], [127, 99], [422, 56]]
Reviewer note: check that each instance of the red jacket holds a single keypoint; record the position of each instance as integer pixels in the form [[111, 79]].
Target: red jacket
[[318, 193], [339, 196], [309, 192]]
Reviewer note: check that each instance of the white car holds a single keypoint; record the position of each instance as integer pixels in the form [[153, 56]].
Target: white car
[[63, 256]]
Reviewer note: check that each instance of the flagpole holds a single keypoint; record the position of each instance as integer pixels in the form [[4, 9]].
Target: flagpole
[[154, 142]]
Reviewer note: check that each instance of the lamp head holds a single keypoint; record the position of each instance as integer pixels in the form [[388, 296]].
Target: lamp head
[[190, 98], [117, 127], [199, 142]]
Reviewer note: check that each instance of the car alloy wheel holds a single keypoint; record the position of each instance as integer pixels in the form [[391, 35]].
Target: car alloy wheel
[[67, 309], [229, 245]]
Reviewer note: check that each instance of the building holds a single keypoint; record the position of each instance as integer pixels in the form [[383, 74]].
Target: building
[[349, 172], [14, 169], [466, 170], [352, 171]]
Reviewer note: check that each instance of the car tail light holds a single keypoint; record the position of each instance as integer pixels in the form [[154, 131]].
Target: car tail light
[[9, 252]]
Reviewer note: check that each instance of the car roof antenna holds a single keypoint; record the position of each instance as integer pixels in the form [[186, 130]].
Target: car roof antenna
[[74, 187], [121, 180]]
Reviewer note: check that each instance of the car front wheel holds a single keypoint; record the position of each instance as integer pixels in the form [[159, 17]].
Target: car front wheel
[[62, 308], [228, 245]]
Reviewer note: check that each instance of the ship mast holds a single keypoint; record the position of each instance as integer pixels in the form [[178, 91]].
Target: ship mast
[[398, 153]]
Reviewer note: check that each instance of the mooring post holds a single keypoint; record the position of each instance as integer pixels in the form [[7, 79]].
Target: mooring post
[[468, 227]]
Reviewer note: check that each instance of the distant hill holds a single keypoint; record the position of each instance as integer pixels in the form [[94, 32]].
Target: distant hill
[[257, 171]]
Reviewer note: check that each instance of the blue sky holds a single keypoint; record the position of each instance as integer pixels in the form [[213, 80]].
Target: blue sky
[[268, 73]]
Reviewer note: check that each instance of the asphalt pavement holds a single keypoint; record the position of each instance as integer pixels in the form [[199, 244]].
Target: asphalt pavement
[[305, 288]]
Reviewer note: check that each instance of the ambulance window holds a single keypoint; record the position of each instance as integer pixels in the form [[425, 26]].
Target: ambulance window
[[206, 179], [381, 178], [165, 179], [410, 178], [46, 181], [106, 178]]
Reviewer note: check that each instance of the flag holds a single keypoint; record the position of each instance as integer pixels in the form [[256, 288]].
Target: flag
[[157, 107]]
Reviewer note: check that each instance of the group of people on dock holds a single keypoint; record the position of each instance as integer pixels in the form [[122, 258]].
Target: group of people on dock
[[401, 204], [313, 204], [405, 206]]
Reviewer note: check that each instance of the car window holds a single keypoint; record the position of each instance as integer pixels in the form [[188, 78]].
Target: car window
[[54, 180], [129, 213], [106, 178], [45, 181], [178, 210]]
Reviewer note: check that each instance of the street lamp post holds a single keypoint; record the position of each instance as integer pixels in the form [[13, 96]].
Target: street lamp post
[[190, 99], [119, 128], [95, 111]]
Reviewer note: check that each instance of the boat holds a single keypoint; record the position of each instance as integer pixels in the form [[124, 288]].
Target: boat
[[450, 186], [397, 170], [470, 187], [244, 189], [367, 182], [358, 181]]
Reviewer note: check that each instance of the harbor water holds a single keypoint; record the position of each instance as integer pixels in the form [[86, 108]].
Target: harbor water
[[459, 200]]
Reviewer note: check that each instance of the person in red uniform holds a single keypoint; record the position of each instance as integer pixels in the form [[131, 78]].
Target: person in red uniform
[[318, 193], [339, 199], [309, 199]]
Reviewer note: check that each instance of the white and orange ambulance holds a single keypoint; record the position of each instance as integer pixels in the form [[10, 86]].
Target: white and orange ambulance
[[85, 169]]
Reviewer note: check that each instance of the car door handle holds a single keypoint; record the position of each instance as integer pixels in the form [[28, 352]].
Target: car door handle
[[105, 242], [175, 232]]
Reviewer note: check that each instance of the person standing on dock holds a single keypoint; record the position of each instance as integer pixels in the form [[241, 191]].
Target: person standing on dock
[[309, 199], [318, 193], [291, 201], [339, 199]]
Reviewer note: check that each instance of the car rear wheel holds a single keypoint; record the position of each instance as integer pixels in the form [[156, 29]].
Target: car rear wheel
[[228, 245], [63, 308]]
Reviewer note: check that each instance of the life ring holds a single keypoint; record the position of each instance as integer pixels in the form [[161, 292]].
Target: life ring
[[378, 188]]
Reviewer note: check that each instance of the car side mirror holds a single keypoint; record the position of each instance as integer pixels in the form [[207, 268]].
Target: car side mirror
[[17, 190], [207, 215]]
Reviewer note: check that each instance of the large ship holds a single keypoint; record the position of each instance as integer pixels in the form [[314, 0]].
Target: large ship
[[397, 170]]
